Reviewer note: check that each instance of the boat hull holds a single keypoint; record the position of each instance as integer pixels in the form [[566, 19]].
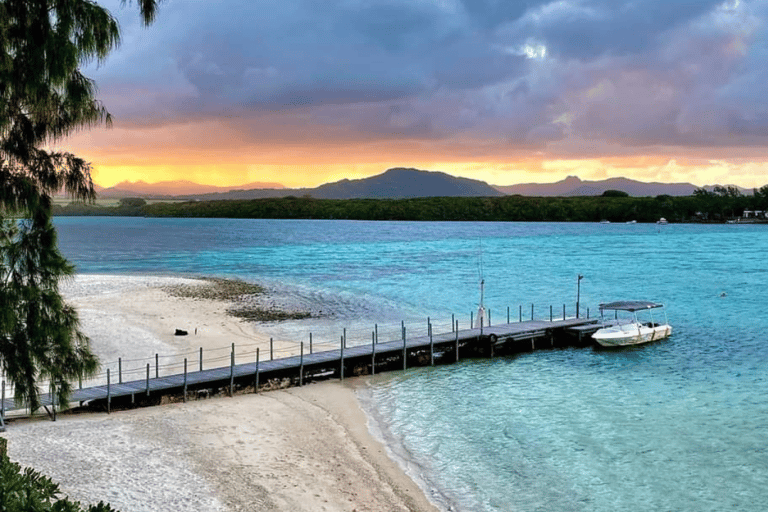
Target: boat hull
[[630, 334]]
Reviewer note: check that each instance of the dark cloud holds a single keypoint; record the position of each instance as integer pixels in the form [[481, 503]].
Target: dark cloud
[[631, 73]]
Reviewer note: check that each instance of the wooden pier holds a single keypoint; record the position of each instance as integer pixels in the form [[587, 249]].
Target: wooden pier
[[344, 361]]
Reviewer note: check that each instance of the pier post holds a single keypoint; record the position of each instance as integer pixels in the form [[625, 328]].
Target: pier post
[[232, 373], [256, 380], [457, 341], [271, 350], [157, 366], [201, 358], [301, 365], [310, 343], [341, 369], [185, 380], [531, 311], [587, 313], [521, 313], [507, 314], [2, 410], [119, 370], [405, 355], [452, 321], [550, 313], [489, 317], [109, 394], [376, 333], [563, 311], [233, 353], [471, 319], [431, 348], [345, 337], [147, 379], [373, 353]]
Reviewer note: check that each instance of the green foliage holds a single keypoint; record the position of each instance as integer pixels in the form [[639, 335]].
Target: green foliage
[[507, 208], [132, 202], [25, 490], [615, 193], [43, 98]]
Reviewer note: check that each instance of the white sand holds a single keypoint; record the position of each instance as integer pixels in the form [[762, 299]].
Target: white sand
[[301, 449]]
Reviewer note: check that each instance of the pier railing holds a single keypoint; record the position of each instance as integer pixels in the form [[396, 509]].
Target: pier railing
[[158, 366]]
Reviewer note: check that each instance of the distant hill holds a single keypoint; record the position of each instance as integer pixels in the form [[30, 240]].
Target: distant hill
[[398, 183], [401, 183], [172, 189], [573, 186]]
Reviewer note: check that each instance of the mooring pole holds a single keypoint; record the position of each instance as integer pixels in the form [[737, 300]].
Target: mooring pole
[[550, 313], [507, 314], [147, 379], [376, 333], [185, 380], [119, 370], [341, 369], [578, 294], [201, 358], [531, 311], [521, 313], [563, 311], [489, 317], [157, 366], [271, 350], [310, 343]]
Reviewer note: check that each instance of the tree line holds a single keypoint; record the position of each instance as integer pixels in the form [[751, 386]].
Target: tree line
[[719, 205]]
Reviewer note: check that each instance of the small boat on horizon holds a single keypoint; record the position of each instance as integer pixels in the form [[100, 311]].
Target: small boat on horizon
[[620, 332], [662, 221]]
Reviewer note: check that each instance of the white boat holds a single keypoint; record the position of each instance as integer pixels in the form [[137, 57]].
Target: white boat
[[662, 221], [630, 330]]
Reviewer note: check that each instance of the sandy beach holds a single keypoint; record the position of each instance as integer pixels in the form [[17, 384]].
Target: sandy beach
[[305, 448]]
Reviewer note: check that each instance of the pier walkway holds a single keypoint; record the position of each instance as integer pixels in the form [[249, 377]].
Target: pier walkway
[[344, 361]]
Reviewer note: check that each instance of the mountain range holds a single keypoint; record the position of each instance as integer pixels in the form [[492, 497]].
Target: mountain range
[[397, 183]]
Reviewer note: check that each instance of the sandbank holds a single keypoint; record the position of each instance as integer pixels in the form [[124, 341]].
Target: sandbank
[[297, 449]]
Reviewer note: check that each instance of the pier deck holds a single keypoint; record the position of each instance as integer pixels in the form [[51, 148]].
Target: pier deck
[[443, 348]]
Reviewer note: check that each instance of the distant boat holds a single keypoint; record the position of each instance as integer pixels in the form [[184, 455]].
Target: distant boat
[[630, 331], [631, 222], [604, 221], [662, 221]]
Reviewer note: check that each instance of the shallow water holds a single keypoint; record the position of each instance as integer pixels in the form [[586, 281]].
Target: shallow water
[[674, 425]]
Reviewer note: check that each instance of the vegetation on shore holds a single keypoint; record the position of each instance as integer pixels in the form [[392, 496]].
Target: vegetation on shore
[[26, 490], [703, 206]]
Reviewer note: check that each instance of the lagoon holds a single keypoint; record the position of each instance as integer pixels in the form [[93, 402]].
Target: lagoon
[[674, 425]]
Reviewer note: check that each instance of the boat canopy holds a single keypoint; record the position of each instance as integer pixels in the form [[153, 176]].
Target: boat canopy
[[630, 305]]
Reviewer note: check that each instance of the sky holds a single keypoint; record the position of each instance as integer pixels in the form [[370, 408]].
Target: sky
[[305, 92]]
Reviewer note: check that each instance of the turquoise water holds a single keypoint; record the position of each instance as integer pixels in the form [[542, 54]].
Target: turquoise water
[[675, 425]]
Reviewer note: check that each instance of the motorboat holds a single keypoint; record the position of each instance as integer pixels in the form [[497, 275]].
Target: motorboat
[[662, 221], [626, 327]]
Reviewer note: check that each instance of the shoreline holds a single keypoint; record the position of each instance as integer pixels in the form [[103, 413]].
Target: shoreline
[[306, 448]]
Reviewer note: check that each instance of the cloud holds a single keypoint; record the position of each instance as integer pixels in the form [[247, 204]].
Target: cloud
[[566, 78]]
